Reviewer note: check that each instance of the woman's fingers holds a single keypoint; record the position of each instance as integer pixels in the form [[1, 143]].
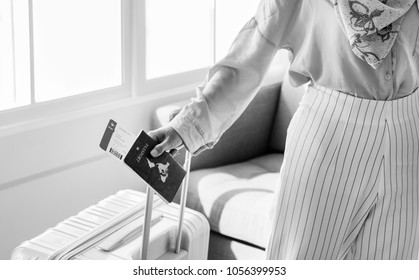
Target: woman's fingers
[[168, 139]]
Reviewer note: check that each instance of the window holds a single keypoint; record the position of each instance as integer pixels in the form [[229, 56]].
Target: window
[[14, 54], [228, 22], [184, 37], [53, 49], [76, 47], [178, 36], [60, 55]]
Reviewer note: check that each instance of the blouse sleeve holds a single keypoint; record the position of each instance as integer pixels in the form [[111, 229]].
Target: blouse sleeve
[[232, 82]]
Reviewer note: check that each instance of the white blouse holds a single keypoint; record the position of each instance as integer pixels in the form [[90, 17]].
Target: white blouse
[[320, 54]]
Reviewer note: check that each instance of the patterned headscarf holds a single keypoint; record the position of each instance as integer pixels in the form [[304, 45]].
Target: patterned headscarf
[[371, 26]]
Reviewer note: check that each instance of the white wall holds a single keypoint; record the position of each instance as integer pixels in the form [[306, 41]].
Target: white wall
[[52, 169]]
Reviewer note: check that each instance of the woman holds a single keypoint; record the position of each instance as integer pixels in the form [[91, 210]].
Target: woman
[[349, 185]]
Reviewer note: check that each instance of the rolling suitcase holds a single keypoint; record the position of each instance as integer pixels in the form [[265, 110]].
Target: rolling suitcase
[[124, 226]]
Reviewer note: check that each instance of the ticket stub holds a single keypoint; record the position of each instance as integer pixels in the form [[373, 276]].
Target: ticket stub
[[116, 140]]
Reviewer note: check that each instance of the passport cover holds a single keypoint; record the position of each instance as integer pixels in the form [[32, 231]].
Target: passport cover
[[161, 173]]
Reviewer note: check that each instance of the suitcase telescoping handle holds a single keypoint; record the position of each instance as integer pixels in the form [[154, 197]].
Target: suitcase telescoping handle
[[149, 209], [184, 194]]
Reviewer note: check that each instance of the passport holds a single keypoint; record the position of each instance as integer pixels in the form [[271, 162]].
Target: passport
[[163, 174]]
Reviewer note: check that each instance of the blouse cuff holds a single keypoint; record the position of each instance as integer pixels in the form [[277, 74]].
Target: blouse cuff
[[190, 132]]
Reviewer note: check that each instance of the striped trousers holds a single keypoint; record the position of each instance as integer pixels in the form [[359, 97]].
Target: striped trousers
[[349, 183]]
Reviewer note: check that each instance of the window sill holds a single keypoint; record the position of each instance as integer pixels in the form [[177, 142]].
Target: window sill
[[24, 119]]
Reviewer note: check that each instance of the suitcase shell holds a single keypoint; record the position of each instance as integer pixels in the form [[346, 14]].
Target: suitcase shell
[[111, 230]]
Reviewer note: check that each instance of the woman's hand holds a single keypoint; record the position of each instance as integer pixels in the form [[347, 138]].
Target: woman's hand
[[168, 139]]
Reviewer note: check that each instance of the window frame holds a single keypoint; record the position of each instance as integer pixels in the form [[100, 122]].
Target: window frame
[[134, 81]]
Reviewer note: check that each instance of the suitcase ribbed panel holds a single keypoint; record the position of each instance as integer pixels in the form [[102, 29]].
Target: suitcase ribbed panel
[[79, 237], [89, 225]]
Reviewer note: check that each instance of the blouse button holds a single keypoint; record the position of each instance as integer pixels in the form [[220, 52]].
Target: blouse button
[[387, 76]]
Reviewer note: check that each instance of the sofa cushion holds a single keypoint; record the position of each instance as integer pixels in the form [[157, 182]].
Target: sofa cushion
[[288, 103], [237, 198]]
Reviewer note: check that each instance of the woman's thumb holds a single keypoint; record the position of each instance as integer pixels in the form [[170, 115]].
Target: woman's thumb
[[158, 150]]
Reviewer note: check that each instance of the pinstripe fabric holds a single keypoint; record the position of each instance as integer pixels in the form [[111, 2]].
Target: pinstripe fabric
[[348, 187]]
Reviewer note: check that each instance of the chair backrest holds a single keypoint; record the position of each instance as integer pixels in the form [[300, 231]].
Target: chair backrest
[[248, 137]]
